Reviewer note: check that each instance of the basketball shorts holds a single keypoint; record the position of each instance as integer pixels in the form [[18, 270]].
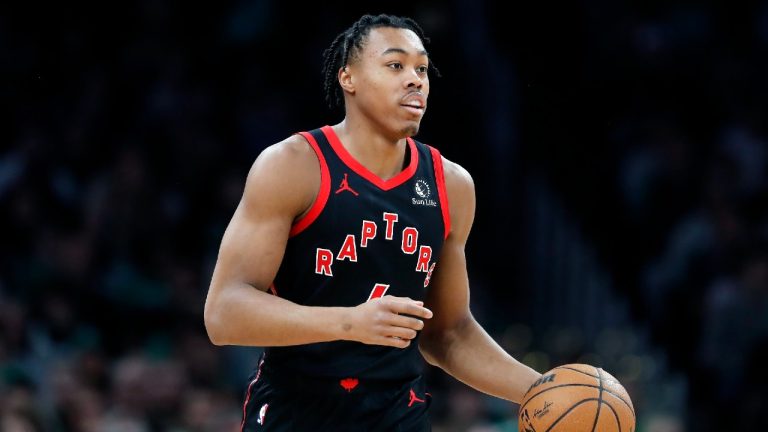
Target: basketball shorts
[[298, 404]]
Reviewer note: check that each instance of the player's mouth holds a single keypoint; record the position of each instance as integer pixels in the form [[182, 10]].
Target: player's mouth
[[415, 109], [414, 102]]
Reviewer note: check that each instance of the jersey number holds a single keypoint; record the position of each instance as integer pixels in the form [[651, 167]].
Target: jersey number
[[378, 291]]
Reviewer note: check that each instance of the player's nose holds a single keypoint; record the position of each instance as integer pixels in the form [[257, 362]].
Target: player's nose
[[414, 80]]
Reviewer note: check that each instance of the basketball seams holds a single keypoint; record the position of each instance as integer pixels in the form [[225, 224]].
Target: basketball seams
[[600, 400], [605, 385], [579, 371], [615, 414], [568, 411], [632, 410], [607, 390], [618, 396], [555, 387]]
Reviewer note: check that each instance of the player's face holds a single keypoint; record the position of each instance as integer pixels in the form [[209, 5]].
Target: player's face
[[391, 82]]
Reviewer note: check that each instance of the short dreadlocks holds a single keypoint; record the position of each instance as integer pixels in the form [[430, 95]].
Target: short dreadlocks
[[348, 44]]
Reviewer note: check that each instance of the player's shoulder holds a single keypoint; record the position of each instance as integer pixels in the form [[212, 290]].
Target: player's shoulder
[[292, 155], [457, 177], [291, 158], [286, 171], [290, 150]]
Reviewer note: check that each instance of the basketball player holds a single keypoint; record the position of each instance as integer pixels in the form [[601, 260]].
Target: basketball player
[[345, 257]]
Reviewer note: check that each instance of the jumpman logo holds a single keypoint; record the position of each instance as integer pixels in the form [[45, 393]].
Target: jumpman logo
[[414, 399], [344, 186]]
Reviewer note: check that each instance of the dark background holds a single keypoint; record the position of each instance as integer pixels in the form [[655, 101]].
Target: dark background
[[618, 151]]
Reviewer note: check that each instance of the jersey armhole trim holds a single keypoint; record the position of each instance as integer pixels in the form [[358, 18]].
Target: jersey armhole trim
[[322, 196], [437, 162]]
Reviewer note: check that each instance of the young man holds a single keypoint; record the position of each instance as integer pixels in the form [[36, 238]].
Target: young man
[[345, 257]]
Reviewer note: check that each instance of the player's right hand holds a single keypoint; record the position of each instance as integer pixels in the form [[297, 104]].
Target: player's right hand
[[389, 321]]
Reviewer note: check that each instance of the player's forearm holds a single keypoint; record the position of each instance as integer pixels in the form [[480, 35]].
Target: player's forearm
[[243, 315], [470, 355]]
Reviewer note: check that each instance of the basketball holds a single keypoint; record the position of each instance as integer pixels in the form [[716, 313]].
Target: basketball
[[576, 398]]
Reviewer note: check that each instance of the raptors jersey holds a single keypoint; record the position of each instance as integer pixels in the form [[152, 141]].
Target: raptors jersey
[[363, 238]]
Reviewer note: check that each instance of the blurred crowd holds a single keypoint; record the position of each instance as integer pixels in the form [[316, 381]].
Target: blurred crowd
[[128, 133], [673, 189]]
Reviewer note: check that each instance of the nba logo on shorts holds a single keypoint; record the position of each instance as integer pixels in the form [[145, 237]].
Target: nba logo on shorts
[[262, 414]]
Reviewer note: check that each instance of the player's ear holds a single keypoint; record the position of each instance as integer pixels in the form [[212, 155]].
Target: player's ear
[[345, 79]]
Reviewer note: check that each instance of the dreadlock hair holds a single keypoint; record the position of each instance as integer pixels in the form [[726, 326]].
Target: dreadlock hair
[[348, 44]]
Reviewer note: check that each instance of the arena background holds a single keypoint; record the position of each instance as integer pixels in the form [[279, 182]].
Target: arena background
[[618, 151]]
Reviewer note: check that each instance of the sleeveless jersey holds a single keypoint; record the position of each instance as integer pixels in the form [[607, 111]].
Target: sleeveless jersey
[[363, 238]]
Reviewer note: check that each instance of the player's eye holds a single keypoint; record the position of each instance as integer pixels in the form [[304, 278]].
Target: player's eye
[[396, 66], [422, 69]]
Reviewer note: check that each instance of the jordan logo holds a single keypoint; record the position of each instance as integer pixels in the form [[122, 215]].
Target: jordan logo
[[414, 399], [344, 186]]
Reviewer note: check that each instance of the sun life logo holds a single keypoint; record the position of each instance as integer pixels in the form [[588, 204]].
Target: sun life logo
[[422, 188]]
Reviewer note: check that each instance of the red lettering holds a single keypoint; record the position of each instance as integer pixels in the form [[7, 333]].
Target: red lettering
[[425, 253], [323, 261], [348, 249], [410, 238], [429, 274], [391, 218], [369, 232]]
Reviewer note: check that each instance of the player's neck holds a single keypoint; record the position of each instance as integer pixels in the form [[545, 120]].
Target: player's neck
[[380, 154]]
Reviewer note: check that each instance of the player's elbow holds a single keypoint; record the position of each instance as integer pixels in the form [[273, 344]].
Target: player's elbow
[[213, 319], [213, 334], [428, 356], [437, 343], [430, 348]]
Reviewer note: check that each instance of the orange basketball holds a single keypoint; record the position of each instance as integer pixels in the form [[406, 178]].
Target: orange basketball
[[576, 398]]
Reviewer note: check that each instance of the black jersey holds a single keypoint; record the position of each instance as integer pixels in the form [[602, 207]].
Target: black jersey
[[363, 238]]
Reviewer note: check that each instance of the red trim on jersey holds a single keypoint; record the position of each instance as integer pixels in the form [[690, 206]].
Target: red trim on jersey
[[248, 394], [322, 196], [437, 162], [362, 171]]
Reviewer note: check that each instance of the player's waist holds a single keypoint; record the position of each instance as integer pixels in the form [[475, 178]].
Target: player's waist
[[282, 380], [345, 358]]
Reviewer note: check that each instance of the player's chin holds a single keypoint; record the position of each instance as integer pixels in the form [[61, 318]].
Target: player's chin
[[411, 128], [410, 122]]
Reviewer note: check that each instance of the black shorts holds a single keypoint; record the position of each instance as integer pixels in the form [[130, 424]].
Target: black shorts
[[296, 404]]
